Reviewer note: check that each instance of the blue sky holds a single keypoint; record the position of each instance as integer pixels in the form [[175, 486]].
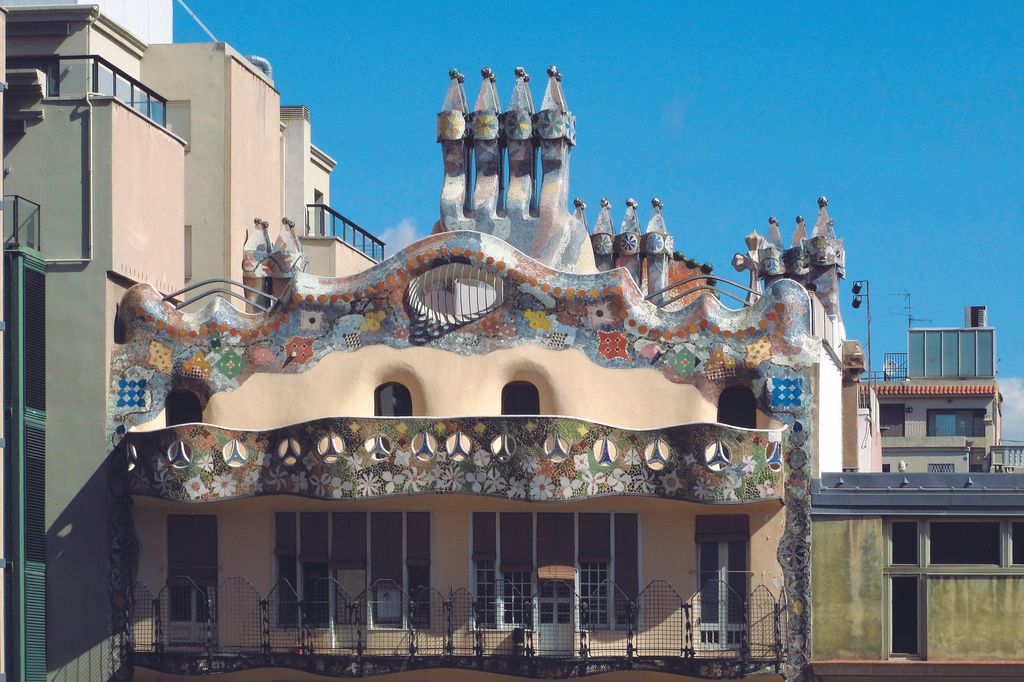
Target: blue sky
[[908, 116]]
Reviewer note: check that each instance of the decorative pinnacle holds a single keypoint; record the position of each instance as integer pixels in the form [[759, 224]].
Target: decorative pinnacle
[[553, 72], [579, 203], [657, 203], [773, 221], [455, 75], [261, 224], [487, 73], [521, 73], [605, 203], [631, 202], [822, 202], [799, 219]]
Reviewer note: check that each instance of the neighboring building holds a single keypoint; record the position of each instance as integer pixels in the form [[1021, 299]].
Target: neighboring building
[[918, 576], [940, 410], [110, 181], [367, 475]]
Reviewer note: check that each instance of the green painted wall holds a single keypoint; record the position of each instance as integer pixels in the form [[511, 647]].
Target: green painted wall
[[846, 588], [975, 618]]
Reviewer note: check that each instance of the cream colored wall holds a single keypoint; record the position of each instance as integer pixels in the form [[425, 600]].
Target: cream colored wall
[[245, 530], [317, 177], [148, 209], [296, 154], [254, 178], [196, 73], [444, 384], [331, 257]]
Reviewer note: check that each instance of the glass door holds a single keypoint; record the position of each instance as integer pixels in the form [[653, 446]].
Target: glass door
[[555, 616], [723, 589]]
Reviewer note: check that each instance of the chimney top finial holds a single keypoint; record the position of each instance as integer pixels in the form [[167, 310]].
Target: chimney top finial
[[456, 75], [521, 73], [489, 74], [631, 202], [605, 203], [553, 73], [579, 203], [657, 203], [822, 202]]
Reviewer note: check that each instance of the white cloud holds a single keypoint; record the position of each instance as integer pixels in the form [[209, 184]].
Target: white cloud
[[399, 236], [1012, 389]]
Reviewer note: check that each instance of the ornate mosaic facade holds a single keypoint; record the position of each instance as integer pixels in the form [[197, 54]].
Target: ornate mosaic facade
[[532, 281]]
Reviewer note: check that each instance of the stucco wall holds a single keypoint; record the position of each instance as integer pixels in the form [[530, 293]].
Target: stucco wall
[[830, 413], [331, 257], [443, 383], [846, 588], [975, 618], [148, 209], [254, 148]]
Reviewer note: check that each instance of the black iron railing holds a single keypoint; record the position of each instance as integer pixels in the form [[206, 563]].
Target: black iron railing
[[743, 632], [22, 223], [324, 221], [96, 75]]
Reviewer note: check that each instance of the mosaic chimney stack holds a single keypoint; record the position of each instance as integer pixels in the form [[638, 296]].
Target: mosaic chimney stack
[[628, 242], [818, 262], [268, 265], [657, 251], [534, 221], [603, 239], [827, 261]]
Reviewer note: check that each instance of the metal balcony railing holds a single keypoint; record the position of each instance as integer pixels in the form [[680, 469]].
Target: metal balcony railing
[[22, 223], [739, 631], [69, 75], [324, 221]]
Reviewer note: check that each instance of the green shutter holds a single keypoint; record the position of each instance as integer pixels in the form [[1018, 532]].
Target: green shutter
[[25, 465]]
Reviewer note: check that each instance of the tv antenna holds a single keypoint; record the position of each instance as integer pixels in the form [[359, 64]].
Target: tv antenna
[[908, 309]]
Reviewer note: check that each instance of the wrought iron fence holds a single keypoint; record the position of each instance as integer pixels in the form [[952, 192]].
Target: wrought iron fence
[[715, 622]]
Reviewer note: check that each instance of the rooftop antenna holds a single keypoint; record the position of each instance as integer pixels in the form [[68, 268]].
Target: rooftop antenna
[[909, 314], [198, 20]]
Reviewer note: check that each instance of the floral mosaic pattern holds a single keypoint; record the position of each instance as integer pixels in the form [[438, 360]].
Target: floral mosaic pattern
[[527, 458]]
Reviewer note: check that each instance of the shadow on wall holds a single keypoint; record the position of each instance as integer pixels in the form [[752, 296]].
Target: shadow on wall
[[77, 578]]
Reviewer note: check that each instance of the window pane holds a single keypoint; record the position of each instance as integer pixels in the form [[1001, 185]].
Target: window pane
[[916, 361], [392, 400], [943, 424], [904, 615], [986, 341], [1018, 543], [964, 542], [968, 351], [950, 354], [933, 354], [904, 542]]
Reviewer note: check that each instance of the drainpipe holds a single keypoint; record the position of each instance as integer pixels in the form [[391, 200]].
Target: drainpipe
[[88, 257]]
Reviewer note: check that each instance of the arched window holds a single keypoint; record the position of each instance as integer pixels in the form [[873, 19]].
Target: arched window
[[520, 397], [182, 407], [392, 400], [738, 407]]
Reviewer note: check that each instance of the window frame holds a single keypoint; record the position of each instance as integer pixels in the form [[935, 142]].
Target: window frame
[[334, 573], [615, 622]]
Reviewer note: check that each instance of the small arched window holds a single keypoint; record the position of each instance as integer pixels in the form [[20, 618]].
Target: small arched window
[[182, 406], [392, 400], [520, 397], [738, 407]]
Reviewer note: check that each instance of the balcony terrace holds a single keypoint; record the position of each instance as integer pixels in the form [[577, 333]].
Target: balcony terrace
[[324, 221], [723, 630], [529, 458]]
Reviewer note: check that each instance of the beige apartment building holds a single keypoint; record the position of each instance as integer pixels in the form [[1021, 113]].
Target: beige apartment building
[[127, 162]]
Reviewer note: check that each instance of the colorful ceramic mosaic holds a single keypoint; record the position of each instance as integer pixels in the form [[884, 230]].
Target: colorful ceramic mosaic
[[531, 260], [527, 458]]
